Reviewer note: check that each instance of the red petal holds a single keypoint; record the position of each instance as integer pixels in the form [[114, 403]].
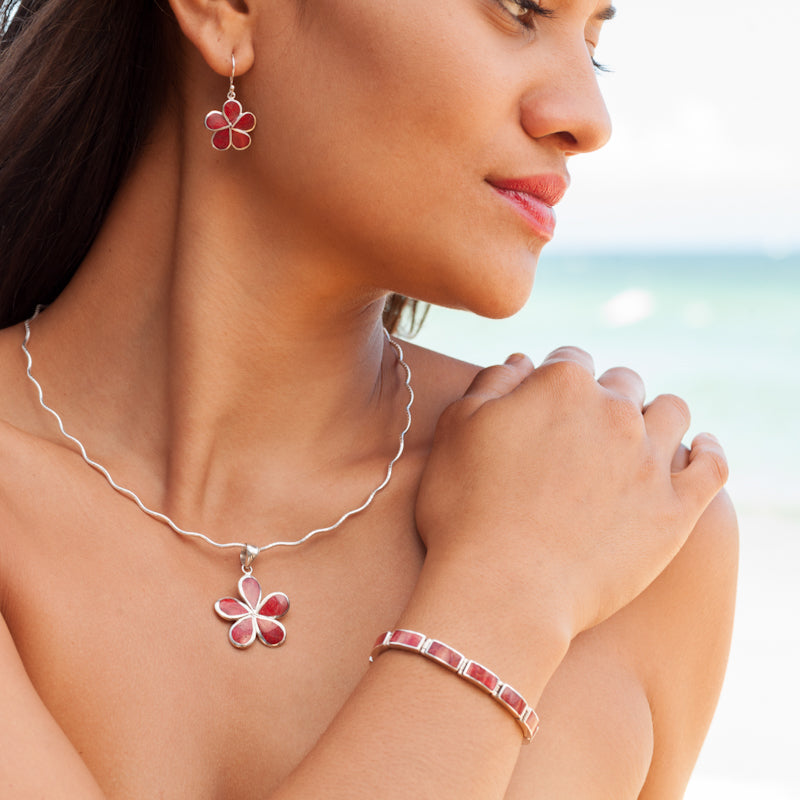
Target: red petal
[[243, 632], [274, 605], [270, 632], [240, 139], [250, 590], [222, 139], [246, 122], [215, 120], [231, 608], [232, 110]]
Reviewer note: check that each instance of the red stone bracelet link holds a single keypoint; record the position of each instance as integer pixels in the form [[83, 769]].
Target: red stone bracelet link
[[470, 670]]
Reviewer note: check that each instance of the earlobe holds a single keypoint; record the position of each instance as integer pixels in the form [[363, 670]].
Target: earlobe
[[218, 29]]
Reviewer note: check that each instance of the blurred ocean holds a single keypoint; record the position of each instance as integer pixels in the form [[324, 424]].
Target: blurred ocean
[[723, 332]]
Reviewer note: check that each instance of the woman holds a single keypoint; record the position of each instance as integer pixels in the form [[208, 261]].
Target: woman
[[219, 351]]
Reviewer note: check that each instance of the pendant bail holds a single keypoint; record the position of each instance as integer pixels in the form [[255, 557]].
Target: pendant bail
[[247, 556]]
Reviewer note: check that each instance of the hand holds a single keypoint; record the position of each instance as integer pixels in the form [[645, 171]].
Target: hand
[[558, 488]]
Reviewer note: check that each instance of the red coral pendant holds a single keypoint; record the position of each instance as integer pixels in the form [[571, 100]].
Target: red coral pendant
[[254, 616]]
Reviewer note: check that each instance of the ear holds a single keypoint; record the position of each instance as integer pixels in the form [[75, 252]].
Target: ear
[[218, 29]]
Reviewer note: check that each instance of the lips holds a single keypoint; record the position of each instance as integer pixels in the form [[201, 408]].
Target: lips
[[533, 198]]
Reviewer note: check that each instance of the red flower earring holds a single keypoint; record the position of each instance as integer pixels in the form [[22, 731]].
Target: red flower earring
[[231, 127]]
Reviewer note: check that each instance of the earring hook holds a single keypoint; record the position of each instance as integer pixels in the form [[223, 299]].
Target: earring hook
[[231, 90]]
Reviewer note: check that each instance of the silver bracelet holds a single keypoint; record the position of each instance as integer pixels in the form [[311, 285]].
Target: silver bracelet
[[471, 671]]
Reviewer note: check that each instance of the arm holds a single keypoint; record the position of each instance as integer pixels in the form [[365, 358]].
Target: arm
[[412, 727], [37, 758], [466, 575], [692, 603]]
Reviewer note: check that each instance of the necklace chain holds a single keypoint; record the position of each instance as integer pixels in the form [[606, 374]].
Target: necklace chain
[[243, 546]]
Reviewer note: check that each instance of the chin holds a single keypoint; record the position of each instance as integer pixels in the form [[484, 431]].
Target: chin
[[505, 292], [500, 307], [499, 295]]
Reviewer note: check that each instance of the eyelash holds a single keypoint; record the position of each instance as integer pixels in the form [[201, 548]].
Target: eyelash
[[528, 7], [535, 10]]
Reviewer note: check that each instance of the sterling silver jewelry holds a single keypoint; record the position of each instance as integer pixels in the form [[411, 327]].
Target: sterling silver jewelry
[[471, 671], [232, 126], [255, 615]]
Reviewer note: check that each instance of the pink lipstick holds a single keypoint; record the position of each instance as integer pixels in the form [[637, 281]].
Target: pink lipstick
[[533, 199]]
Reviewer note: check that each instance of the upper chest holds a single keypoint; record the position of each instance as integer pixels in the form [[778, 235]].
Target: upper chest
[[113, 615]]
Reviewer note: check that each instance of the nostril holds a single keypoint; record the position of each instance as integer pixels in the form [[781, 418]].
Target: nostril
[[568, 138]]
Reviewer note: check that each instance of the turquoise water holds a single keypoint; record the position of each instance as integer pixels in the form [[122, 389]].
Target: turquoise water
[[723, 332]]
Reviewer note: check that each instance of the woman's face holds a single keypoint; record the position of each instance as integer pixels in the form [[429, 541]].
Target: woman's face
[[419, 143]]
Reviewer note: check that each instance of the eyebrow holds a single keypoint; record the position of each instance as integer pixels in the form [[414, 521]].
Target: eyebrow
[[608, 13]]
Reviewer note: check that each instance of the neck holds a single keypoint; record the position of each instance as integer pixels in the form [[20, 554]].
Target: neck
[[217, 351]]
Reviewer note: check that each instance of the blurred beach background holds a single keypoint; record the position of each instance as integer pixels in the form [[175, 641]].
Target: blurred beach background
[[678, 254]]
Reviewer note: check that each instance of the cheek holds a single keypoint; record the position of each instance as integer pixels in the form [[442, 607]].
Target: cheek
[[383, 132], [372, 86]]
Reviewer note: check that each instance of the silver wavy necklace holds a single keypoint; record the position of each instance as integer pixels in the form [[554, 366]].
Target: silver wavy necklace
[[254, 614]]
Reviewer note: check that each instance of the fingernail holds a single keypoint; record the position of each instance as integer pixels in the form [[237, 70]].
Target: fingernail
[[514, 358]]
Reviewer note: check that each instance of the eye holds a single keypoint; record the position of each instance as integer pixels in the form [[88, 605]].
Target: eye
[[524, 11]]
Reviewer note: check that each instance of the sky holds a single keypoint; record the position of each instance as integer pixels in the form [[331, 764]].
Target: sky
[[705, 154]]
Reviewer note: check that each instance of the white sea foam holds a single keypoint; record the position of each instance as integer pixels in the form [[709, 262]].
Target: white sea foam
[[628, 307]]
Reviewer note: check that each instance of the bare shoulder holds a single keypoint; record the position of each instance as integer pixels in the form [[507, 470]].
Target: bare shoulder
[[14, 386], [19, 452], [438, 380], [448, 377]]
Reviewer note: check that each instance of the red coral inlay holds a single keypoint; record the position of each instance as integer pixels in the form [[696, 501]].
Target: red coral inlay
[[407, 638], [274, 605], [243, 632], [231, 126], [448, 656], [254, 618], [251, 590], [231, 608], [512, 700], [482, 676], [270, 632]]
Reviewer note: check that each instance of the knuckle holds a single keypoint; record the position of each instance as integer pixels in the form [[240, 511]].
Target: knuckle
[[624, 413], [719, 466], [569, 375], [497, 379], [624, 372], [678, 406], [454, 413]]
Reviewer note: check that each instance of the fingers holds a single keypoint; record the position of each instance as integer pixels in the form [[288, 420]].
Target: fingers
[[705, 475], [666, 420], [495, 382], [574, 354], [499, 380], [624, 382]]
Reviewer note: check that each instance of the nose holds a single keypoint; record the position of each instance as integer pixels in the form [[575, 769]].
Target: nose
[[564, 104]]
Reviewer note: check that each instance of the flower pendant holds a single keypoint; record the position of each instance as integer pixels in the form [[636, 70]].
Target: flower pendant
[[254, 616], [230, 127]]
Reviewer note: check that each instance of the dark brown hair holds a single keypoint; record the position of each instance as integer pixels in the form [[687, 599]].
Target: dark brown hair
[[80, 83]]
